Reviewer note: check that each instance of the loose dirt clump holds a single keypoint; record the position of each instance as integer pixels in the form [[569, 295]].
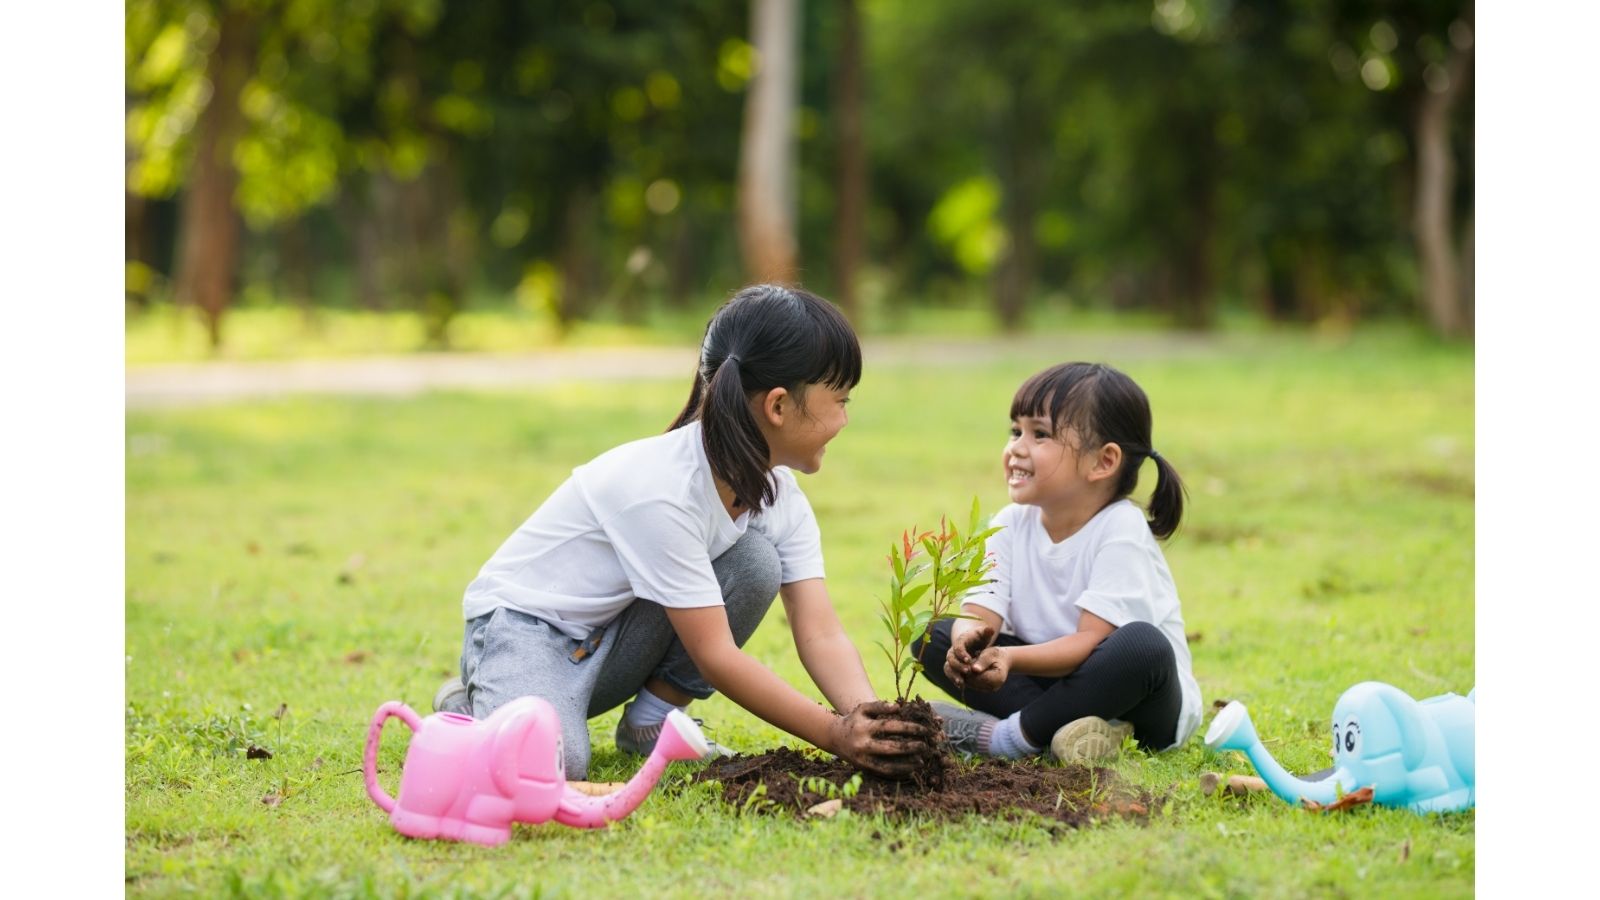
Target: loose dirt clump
[[786, 781], [934, 766]]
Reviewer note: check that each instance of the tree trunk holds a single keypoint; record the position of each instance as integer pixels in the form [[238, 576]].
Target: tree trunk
[[359, 217], [209, 246], [1192, 245], [134, 250], [766, 153], [850, 230], [576, 261], [1282, 301], [682, 265], [1469, 304], [1433, 214], [1022, 175], [297, 265]]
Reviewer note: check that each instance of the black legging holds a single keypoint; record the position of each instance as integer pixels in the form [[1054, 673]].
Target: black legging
[[1132, 676]]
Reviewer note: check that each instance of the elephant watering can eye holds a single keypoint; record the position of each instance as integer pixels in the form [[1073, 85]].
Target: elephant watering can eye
[[1350, 740]]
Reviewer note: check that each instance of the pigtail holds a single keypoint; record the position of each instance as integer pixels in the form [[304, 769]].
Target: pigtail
[[735, 447], [1166, 502]]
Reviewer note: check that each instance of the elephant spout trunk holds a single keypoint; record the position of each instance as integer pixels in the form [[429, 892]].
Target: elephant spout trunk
[[680, 739], [1233, 730]]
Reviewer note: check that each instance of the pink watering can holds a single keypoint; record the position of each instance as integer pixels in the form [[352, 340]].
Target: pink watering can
[[466, 779]]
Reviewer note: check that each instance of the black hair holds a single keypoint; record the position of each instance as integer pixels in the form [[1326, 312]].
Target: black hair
[[766, 336], [1105, 406]]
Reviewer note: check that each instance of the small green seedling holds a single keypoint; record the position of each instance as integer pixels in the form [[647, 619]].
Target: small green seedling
[[827, 790], [923, 592]]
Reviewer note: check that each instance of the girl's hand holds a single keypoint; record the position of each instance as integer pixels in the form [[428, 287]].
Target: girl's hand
[[964, 652], [870, 738], [990, 670]]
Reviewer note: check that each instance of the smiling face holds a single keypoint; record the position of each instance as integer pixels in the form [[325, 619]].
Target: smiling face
[[1041, 468], [798, 434]]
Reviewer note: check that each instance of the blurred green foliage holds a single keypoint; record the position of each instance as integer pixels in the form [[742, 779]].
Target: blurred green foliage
[[579, 158]]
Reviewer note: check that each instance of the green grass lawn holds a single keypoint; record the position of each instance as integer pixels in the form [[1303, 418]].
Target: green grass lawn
[[293, 564]]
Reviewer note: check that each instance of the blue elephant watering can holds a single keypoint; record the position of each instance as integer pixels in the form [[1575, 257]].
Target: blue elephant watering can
[[1415, 754]]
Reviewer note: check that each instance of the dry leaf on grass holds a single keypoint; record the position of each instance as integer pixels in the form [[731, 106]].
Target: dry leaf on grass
[[1236, 785], [827, 808], [1348, 801]]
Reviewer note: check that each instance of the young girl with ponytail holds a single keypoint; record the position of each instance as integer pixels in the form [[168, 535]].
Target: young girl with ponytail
[[646, 571], [1078, 641]]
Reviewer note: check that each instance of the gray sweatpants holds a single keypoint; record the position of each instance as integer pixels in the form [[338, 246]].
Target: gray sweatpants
[[507, 653]]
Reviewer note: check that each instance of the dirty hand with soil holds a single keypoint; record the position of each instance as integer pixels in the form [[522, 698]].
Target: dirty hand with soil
[[874, 737]]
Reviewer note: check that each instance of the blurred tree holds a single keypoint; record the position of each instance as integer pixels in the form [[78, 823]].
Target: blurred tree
[[1446, 287], [209, 253], [851, 191], [766, 160], [1311, 158], [234, 102]]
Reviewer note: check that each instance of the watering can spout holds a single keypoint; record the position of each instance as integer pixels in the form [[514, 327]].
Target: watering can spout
[[1233, 730], [681, 739]]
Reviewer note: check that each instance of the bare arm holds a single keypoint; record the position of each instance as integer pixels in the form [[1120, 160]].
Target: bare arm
[[830, 659], [1052, 658], [863, 738]]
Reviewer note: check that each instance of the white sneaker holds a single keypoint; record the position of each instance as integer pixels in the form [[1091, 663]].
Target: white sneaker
[[1089, 738]]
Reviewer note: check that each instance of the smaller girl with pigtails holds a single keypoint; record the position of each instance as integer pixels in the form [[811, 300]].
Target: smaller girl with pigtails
[[1078, 641]]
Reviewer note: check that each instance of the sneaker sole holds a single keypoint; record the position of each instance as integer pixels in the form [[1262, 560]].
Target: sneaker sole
[[1088, 738], [448, 691]]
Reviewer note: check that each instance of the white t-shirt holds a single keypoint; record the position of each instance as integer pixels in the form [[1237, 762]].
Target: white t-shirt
[[1111, 567], [642, 520]]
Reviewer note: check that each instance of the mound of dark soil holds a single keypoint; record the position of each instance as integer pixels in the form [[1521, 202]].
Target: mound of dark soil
[[1072, 795], [934, 765]]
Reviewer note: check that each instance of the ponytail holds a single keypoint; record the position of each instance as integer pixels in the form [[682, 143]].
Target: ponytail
[[691, 410], [1166, 501], [766, 336], [733, 439]]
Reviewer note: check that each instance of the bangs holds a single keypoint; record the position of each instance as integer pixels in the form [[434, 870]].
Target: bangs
[[834, 350], [1063, 394]]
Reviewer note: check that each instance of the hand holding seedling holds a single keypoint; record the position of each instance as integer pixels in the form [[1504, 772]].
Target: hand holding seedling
[[922, 593], [958, 663], [870, 737]]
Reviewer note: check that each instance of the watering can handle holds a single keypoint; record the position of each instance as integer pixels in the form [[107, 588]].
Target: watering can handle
[[369, 762]]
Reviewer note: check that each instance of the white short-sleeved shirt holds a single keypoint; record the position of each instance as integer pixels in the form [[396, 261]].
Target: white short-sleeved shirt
[[1111, 567], [642, 520]]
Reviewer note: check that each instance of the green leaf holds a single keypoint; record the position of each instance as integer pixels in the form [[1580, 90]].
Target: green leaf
[[893, 659], [915, 594]]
